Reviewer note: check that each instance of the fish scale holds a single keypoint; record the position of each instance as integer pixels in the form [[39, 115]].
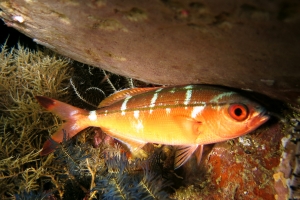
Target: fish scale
[[187, 116]]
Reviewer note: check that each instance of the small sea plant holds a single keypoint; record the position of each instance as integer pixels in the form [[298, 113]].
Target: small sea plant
[[23, 74], [77, 169]]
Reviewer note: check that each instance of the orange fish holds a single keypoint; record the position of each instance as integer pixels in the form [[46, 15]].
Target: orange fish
[[189, 116]]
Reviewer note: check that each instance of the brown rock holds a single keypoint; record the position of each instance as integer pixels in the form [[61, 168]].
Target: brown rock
[[250, 46]]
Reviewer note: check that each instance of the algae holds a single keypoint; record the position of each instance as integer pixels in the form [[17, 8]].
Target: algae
[[76, 169], [24, 74]]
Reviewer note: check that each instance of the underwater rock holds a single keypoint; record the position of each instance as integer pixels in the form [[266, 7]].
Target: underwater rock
[[243, 168], [253, 46]]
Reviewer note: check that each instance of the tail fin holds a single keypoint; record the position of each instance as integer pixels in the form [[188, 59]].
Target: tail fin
[[71, 126]]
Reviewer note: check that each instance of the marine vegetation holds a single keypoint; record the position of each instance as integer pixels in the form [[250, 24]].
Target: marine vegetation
[[76, 170], [25, 73]]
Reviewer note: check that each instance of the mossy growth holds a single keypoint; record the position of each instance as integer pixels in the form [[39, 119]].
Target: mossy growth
[[76, 170]]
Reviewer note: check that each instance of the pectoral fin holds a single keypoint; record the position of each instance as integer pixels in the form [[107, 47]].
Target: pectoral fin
[[189, 125], [183, 153], [198, 153]]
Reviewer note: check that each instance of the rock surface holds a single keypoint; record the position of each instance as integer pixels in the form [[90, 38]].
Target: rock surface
[[253, 46]]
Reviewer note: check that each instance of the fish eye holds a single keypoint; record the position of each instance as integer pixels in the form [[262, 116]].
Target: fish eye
[[238, 112]]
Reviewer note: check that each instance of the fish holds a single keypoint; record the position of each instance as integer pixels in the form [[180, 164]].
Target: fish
[[187, 116]]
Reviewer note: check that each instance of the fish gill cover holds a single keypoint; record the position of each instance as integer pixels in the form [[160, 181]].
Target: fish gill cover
[[95, 166]]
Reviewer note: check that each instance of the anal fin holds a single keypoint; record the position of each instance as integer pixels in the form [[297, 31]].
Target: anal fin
[[135, 147], [183, 153]]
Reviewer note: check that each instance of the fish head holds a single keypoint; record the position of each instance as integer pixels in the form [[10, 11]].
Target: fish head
[[240, 118], [233, 119]]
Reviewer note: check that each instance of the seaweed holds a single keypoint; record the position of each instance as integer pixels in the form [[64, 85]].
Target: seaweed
[[85, 172], [24, 74], [129, 183], [76, 169], [33, 195]]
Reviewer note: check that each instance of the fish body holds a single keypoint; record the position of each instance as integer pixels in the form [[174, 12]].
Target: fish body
[[188, 116]]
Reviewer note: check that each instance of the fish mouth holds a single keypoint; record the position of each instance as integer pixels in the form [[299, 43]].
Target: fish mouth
[[259, 119], [264, 117]]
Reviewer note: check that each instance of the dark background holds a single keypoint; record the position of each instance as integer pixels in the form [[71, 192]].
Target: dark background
[[12, 37]]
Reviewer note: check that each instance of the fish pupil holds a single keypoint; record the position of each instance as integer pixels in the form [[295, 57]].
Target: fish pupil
[[238, 112]]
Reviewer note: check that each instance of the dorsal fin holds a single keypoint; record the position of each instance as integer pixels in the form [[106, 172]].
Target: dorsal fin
[[123, 94]]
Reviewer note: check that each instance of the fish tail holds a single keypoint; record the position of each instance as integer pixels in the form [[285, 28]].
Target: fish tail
[[72, 125]]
